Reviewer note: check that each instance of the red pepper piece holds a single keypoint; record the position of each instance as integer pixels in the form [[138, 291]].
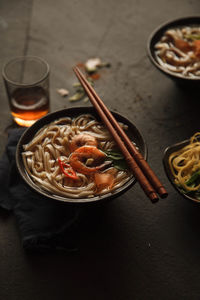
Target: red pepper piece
[[67, 169], [95, 76]]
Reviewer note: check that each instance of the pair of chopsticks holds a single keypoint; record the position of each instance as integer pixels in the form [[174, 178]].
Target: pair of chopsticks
[[140, 168]]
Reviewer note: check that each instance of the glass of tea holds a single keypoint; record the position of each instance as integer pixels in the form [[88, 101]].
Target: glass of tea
[[27, 84]]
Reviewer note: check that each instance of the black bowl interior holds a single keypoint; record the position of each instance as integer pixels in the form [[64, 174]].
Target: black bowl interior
[[156, 36], [132, 132], [168, 151]]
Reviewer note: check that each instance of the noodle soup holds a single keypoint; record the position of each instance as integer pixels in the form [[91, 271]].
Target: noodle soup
[[75, 157], [178, 51]]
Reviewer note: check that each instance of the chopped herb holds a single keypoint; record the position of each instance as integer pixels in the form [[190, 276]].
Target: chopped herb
[[80, 89], [76, 84], [120, 164], [91, 67], [90, 80], [118, 160], [77, 96], [114, 155], [195, 177], [105, 65], [193, 181], [85, 99], [192, 36], [197, 195], [80, 92]]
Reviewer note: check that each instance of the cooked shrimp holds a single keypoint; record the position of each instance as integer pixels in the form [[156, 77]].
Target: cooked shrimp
[[87, 159], [81, 140]]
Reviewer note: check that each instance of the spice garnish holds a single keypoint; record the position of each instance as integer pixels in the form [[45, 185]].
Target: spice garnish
[[67, 169], [91, 68], [192, 36]]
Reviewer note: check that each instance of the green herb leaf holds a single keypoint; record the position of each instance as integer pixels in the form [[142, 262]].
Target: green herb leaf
[[197, 195], [114, 155], [85, 99], [106, 65], [195, 176], [77, 96], [118, 160], [91, 81], [192, 36], [76, 84], [120, 165]]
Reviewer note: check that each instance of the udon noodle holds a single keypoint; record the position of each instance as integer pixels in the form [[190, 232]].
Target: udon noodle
[[60, 144], [185, 165], [179, 51]]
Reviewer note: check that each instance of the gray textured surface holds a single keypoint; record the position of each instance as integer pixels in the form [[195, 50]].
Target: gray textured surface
[[132, 249]]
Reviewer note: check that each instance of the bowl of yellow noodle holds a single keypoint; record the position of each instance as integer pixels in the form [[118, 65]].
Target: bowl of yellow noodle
[[182, 166], [69, 155]]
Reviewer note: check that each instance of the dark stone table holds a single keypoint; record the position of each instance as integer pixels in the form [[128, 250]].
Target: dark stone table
[[130, 249]]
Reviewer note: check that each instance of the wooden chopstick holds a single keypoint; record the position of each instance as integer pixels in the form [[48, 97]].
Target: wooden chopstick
[[136, 154], [138, 173]]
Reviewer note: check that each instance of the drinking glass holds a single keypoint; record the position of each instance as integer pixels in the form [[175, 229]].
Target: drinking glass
[[26, 80]]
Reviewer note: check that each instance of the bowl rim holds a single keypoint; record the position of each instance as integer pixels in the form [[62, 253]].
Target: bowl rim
[[161, 29], [167, 152], [30, 131]]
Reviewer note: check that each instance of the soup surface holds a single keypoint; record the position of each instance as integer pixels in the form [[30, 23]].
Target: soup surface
[[75, 158], [179, 51]]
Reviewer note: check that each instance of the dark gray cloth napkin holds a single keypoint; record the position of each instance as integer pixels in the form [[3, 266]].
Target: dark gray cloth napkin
[[44, 224]]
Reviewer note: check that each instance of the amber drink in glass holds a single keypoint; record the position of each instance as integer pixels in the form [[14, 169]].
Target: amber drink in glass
[[27, 85]]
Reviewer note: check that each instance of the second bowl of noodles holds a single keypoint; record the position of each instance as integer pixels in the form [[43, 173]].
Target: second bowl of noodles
[[174, 49], [182, 166], [70, 156]]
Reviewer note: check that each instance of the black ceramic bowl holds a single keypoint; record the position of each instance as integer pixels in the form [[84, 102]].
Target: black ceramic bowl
[[132, 132], [156, 36], [168, 151]]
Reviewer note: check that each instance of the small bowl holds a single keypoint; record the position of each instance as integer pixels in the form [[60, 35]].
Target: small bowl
[[168, 151], [132, 132], [156, 36]]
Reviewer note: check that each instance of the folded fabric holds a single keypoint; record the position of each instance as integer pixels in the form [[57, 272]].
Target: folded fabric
[[44, 224]]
